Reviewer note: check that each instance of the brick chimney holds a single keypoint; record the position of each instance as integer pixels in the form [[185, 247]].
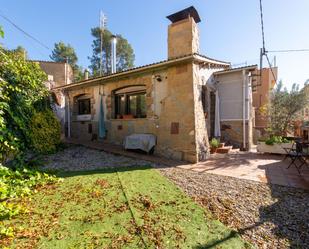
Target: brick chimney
[[183, 33]]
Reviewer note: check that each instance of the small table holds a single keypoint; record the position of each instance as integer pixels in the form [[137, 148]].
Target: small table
[[144, 142]]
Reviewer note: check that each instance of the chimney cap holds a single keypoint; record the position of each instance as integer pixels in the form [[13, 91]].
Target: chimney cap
[[183, 14]]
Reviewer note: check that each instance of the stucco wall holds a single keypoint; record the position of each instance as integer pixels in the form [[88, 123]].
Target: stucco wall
[[231, 95], [231, 91], [62, 72]]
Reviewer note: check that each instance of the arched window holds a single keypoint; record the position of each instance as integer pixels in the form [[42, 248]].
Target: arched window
[[130, 102], [83, 104]]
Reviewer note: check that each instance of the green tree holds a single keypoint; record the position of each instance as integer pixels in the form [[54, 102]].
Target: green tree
[[1, 32], [66, 53], [23, 94], [284, 108], [125, 53], [20, 51]]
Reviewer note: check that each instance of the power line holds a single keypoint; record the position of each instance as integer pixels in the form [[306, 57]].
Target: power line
[[289, 50], [264, 51], [24, 32]]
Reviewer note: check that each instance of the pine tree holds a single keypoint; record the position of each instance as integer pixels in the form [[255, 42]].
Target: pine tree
[[125, 53]]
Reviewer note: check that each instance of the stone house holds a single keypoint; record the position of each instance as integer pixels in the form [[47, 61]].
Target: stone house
[[184, 100]]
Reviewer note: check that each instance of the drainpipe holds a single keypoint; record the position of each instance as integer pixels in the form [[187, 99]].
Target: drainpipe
[[154, 82], [65, 72], [69, 117], [244, 108], [249, 105]]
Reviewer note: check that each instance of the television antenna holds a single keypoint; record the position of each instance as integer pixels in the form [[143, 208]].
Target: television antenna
[[263, 51], [103, 25]]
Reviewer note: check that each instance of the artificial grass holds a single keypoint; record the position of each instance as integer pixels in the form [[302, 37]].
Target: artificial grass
[[124, 208]]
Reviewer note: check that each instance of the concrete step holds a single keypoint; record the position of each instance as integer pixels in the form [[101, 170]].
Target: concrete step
[[224, 150], [221, 145], [234, 151]]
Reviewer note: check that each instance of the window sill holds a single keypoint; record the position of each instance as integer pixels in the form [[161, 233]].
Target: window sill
[[86, 117], [127, 119]]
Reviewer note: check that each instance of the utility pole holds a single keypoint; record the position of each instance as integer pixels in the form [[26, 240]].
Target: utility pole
[[103, 24]]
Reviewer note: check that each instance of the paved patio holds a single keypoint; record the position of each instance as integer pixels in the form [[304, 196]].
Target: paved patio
[[265, 168]]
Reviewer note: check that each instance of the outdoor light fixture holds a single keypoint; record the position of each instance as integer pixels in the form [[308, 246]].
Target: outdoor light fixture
[[158, 78]]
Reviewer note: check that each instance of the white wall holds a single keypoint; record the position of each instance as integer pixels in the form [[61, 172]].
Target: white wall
[[230, 86]]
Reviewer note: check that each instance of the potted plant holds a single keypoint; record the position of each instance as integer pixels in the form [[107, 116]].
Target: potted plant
[[274, 145], [214, 144]]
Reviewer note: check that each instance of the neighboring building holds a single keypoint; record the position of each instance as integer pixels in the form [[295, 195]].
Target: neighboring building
[[264, 84], [236, 112], [59, 74], [184, 100]]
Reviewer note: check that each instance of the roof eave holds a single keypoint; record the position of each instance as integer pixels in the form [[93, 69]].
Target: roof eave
[[233, 70], [201, 58], [107, 78], [104, 79]]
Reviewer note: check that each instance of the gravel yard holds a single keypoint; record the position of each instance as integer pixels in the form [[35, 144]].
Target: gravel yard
[[79, 158], [268, 216]]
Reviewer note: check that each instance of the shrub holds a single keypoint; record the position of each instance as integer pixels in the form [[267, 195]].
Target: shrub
[[14, 185], [21, 85], [214, 143], [276, 140], [44, 132]]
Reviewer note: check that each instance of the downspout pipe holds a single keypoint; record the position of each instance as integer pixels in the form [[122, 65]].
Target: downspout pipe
[[249, 108], [244, 108], [69, 116]]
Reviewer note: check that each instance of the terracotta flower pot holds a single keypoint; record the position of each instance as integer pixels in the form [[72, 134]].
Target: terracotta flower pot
[[128, 116], [213, 150]]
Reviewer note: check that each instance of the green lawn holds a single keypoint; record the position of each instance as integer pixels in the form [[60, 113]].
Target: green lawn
[[129, 208]]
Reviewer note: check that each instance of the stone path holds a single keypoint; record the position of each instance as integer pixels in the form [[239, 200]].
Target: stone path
[[253, 166]]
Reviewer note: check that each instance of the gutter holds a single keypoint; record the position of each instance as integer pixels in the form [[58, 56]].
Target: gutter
[[201, 58], [125, 73], [232, 70], [104, 79]]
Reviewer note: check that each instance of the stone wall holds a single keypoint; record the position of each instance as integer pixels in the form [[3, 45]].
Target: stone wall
[[178, 111], [170, 112], [232, 133], [183, 38], [201, 134]]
